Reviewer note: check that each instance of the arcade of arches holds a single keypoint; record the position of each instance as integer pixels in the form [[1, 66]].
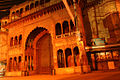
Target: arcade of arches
[[69, 58], [38, 57]]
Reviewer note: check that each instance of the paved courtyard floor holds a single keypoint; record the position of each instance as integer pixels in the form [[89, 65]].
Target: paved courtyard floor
[[96, 75]]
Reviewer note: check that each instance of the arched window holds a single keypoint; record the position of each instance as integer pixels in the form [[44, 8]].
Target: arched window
[[36, 3], [46, 1], [72, 26], [15, 64], [41, 2], [76, 56], [62, 5], [68, 55], [27, 8], [11, 41], [17, 11], [19, 58], [60, 58], [19, 63], [5, 22], [25, 58], [10, 65], [20, 39], [68, 1], [13, 13], [65, 27], [58, 29], [16, 41], [31, 5], [21, 10]]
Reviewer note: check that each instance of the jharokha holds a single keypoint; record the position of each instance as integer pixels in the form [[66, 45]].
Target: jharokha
[[39, 37]]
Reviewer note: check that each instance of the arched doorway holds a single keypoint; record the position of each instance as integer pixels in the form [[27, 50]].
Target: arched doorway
[[68, 55], [39, 51]]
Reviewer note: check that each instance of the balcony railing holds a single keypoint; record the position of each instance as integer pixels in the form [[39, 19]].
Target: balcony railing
[[74, 33]]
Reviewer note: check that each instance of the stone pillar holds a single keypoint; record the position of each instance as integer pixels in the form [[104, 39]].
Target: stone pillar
[[17, 66], [30, 63], [72, 58], [27, 62], [84, 60], [64, 58], [8, 66], [93, 61], [34, 60], [12, 67], [69, 27]]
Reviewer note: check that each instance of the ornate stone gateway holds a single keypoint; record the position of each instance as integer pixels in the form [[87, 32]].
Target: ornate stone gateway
[[39, 52]]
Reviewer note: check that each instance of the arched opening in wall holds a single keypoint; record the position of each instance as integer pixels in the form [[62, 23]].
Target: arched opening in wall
[[20, 39], [16, 40], [27, 8], [60, 58], [72, 26], [15, 64], [76, 56], [36, 3], [41, 2], [43, 49], [62, 5], [21, 10], [10, 65], [13, 13], [68, 55], [19, 63], [65, 27], [11, 41], [31, 5], [17, 11], [58, 29]]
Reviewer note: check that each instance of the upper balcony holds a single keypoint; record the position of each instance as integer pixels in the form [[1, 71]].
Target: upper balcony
[[30, 7]]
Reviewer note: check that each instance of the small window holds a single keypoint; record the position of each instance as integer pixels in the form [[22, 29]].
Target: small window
[[20, 39], [5, 22], [36, 3], [65, 27], [58, 29], [21, 10], [27, 8], [17, 11], [31, 5], [13, 12], [16, 41], [11, 41]]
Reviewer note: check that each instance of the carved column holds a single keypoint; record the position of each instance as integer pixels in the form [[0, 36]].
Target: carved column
[[72, 57], [18, 66], [30, 64], [69, 27], [8, 65], [12, 67], [64, 58]]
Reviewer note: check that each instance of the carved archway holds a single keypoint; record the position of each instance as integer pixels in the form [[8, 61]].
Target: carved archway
[[39, 52]]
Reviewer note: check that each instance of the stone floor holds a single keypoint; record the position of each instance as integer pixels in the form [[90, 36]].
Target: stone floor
[[96, 75]]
